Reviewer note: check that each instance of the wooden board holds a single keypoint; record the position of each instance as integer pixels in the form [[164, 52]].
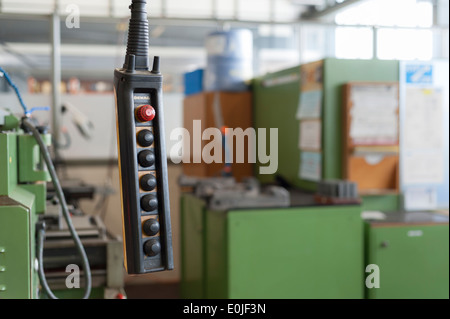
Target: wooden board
[[376, 171], [378, 177], [236, 113]]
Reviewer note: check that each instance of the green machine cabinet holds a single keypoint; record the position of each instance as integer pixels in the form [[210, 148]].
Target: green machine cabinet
[[22, 198], [276, 99], [412, 253], [289, 253]]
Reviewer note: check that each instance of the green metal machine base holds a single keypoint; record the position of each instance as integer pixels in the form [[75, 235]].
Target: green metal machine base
[[413, 257], [21, 200], [291, 253]]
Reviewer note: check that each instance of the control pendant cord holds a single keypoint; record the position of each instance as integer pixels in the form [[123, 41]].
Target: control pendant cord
[[41, 231]]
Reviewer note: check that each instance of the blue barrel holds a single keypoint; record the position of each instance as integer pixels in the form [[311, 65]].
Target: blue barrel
[[230, 60]]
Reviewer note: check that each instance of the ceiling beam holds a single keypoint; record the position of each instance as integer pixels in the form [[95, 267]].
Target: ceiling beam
[[314, 13], [169, 21]]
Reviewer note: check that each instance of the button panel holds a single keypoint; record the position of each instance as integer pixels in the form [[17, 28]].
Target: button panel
[[143, 172], [148, 181]]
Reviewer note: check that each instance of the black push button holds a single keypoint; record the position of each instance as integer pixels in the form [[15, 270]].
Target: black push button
[[152, 247], [148, 182], [149, 203], [146, 158], [151, 227], [145, 138]]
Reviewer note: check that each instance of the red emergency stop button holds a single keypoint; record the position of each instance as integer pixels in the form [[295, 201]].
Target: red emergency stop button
[[145, 113]]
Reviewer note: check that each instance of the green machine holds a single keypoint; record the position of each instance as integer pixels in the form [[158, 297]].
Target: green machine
[[302, 251], [271, 253], [276, 100], [412, 253], [411, 249], [26, 211], [22, 199]]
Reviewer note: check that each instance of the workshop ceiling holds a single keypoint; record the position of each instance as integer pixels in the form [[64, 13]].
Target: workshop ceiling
[[98, 44]]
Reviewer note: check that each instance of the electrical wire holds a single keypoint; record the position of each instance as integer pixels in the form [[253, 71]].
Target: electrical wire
[[15, 88], [41, 233], [38, 108]]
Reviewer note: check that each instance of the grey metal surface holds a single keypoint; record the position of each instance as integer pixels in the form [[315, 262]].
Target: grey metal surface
[[104, 252], [56, 78], [412, 218], [271, 196], [224, 193], [114, 264], [338, 189]]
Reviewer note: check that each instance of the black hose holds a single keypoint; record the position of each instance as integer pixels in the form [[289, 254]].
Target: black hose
[[40, 257], [41, 233], [138, 37]]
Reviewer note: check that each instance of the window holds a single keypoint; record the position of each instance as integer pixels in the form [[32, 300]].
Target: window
[[354, 43], [405, 44], [400, 34]]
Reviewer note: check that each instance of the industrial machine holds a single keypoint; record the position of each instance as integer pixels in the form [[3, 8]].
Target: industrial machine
[[301, 251], [147, 230], [31, 215], [103, 250], [23, 198], [223, 193], [22, 201], [335, 191], [411, 250]]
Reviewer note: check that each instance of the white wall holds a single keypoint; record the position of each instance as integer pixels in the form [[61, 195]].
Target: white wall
[[100, 109]]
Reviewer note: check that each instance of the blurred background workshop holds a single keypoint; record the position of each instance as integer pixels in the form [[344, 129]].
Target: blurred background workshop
[[307, 147]]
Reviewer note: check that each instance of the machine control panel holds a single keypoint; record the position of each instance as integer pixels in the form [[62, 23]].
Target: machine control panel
[[143, 167], [147, 232]]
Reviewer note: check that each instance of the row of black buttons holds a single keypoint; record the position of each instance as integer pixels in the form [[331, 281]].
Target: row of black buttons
[[149, 202], [146, 159]]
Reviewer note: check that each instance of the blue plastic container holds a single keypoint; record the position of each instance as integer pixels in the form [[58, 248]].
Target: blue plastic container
[[193, 82], [230, 60]]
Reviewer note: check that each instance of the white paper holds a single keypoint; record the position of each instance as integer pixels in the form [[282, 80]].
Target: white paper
[[310, 105], [310, 135], [423, 146], [423, 119], [420, 198], [423, 168], [374, 117], [311, 166], [375, 98]]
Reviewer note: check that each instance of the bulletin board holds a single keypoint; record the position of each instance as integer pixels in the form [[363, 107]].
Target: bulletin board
[[309, 116], [424, 89], [277, 98], [371, 136]]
